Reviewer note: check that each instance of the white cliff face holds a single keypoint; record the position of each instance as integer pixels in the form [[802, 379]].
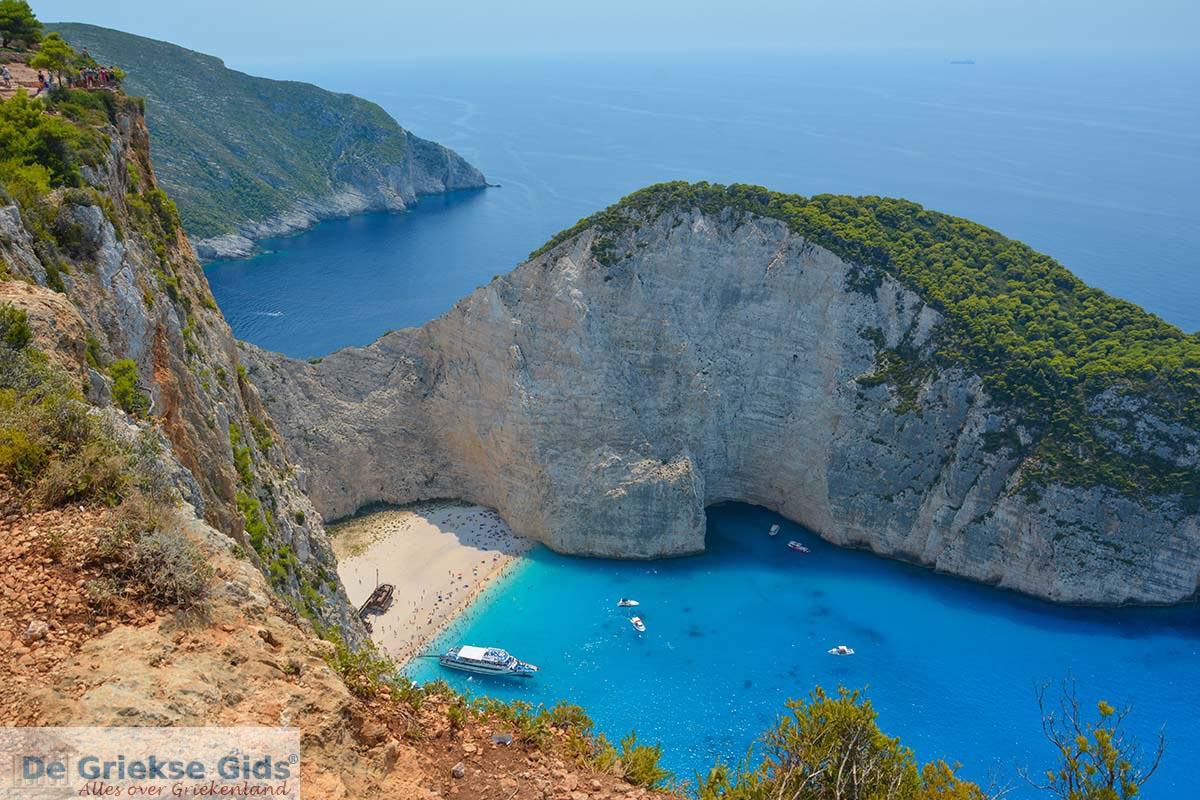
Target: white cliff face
[[602, 408]]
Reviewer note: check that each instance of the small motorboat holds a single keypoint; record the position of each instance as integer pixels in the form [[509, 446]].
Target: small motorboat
[[799, 548], [774, 531], [841, 650], [625, 602], [637, 624]]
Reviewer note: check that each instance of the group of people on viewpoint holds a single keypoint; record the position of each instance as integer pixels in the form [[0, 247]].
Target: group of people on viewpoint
[[88, 78]]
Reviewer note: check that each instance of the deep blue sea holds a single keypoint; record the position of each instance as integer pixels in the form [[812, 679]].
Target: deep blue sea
[[1095, 161]]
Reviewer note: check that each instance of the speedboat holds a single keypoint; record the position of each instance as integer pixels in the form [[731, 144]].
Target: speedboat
[[625, 602], [841, 650], [774, 531], [799, 548], [485, 661], [637, 624]]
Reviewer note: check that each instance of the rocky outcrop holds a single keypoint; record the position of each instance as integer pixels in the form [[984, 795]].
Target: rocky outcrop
[[247, 157], [425, 168], [602, 403], [105, 273]]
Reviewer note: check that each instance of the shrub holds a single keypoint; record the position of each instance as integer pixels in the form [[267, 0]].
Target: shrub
[[640, 763], [262, 434], [168, 569], [56, 449], [241, 456], [38, 149], [1097, 758], [95, 352], [570, 717], [72, 239], [79, 197], [22, 457], [363, 671], [98, 471], [255, 523], [456, 715], [125, 391], [831, 746], [147, 555], [14, 327]]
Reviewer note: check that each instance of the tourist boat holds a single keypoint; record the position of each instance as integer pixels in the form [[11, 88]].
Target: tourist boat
[[486, 661], [637, 624], [799, 548], [625, 602], [774, 531], [841, 650]]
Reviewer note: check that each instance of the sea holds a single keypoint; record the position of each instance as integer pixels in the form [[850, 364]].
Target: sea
[[1092, 158], [952, 667]]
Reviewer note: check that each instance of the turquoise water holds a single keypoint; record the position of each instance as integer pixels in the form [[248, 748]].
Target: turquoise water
[[731, 634], [1092, 160]]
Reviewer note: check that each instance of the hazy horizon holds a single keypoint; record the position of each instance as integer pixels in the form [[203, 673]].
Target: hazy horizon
[[299, 30]]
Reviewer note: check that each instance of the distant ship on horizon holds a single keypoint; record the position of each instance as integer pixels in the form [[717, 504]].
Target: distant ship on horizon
[[964, 61]]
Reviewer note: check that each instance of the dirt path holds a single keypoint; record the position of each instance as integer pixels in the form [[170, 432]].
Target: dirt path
[[24, 78]]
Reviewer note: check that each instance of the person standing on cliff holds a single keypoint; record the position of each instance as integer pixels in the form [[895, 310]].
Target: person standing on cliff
[[42, 87], [5, 75]]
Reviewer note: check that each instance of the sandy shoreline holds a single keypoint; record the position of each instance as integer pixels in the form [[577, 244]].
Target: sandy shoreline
[[439, 556]]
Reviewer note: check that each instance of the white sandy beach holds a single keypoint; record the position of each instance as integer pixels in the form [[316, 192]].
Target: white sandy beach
[[439, 557]]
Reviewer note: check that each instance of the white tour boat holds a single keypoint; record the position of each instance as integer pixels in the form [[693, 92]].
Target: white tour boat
[[625, 602], [799, 548], [486, 661], [774, 531], [841, 650], [637, 624]]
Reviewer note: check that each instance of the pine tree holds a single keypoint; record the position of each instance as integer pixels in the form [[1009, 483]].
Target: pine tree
[[18, 23]]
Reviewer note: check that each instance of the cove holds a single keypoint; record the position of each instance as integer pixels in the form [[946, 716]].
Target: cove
[[347, 281], [950, 665]]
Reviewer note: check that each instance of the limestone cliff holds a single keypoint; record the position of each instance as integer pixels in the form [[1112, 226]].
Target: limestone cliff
[[606, 391], [107, 278]]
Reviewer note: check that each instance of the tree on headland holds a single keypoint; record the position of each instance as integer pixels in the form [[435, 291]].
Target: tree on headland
[[54, 55], [831, 748], [18, 23], [1098, 760]]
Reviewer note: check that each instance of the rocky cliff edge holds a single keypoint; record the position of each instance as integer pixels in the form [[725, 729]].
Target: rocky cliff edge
[[608, 390]]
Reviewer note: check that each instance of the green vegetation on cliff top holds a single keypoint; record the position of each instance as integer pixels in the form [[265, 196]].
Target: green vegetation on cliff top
[[1043, 341], [230, 147]]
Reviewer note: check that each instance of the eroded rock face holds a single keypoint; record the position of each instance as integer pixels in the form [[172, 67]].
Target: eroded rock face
[[129, 289], [601, 408]]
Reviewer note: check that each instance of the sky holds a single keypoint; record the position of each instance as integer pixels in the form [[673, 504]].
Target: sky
[[250, 32]]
